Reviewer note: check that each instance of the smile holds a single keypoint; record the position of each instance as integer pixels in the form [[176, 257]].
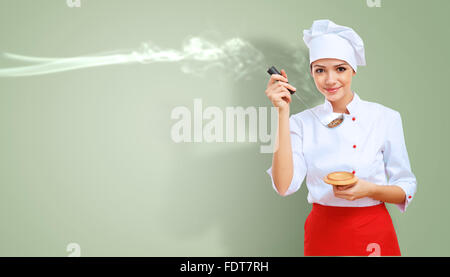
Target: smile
[[333, 89]]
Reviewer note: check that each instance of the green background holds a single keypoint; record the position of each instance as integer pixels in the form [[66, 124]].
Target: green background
[[86, 155]]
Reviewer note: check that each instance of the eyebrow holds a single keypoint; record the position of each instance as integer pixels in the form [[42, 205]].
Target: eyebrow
[[324, 66]]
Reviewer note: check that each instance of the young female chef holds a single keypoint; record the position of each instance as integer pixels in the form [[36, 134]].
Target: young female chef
[[350, 220]]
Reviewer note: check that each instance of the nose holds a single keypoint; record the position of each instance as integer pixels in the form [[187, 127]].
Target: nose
[[330, 79]]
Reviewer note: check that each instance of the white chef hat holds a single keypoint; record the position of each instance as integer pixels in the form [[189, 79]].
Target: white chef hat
[[326, 39]]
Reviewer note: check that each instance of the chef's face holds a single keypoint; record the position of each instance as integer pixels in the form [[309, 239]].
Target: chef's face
[[333, 78]]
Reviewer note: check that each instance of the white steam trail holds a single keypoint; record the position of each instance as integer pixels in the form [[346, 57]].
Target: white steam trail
[[199, 55]]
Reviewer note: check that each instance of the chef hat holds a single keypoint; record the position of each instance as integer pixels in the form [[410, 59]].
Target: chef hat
[[326, 39]]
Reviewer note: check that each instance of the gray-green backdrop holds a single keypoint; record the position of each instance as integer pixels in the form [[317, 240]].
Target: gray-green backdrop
[[88, 157]]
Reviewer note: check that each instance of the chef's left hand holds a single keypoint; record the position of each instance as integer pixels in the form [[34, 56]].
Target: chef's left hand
[[361, 189]]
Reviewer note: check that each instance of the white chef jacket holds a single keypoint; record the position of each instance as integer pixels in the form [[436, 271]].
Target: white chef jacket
[[369, 143]]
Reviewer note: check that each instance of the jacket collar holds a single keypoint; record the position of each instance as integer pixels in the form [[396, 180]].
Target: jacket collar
[[326, 114]]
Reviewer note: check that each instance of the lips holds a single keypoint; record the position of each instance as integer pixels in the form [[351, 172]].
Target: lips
[[332, 89]]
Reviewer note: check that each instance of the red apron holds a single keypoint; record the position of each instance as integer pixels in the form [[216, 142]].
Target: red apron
[[350, 231]]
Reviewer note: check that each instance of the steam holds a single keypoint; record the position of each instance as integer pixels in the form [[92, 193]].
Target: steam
[[197, 55]]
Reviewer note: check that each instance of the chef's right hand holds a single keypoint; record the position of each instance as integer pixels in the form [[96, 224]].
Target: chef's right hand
[[277, 90]]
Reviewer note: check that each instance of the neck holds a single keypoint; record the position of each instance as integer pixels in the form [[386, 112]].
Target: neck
[[340, 106]]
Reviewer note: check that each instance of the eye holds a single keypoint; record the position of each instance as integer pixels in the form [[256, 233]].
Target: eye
[[343, 69], [317, 70]]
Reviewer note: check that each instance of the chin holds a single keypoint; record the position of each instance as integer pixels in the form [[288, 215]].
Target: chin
[[333, 96]]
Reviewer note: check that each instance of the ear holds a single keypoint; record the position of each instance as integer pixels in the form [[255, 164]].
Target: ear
[[354, 73]]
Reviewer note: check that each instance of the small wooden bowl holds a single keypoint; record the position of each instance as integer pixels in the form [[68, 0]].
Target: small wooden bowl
[[341, 178]]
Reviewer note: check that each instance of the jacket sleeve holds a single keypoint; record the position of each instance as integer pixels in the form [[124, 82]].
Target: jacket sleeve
[[299, 163], [396, 161]]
